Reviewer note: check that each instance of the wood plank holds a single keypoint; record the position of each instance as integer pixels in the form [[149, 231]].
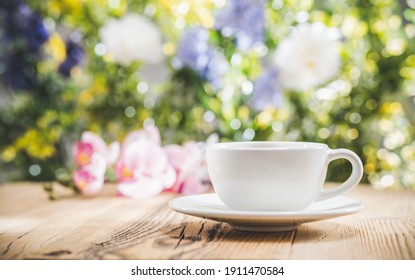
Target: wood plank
[[110, 227], [385, 229]]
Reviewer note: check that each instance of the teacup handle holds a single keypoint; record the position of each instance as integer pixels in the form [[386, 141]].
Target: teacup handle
[[352, 181]]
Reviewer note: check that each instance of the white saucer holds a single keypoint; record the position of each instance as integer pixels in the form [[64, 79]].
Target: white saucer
[[209, 206]]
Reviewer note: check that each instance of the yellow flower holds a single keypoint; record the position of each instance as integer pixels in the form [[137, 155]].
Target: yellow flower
[[36, 144], [55, 47], [9, 154]]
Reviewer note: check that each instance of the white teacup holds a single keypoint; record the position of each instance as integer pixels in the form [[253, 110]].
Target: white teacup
[[276, 176]]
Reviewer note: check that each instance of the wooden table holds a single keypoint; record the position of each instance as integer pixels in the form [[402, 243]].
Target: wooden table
[[110, 227]]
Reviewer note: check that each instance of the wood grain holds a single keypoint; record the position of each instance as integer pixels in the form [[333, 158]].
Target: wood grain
[[110, 227]]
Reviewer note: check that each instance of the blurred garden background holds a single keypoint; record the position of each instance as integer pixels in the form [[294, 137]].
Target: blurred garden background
[[338, 72]]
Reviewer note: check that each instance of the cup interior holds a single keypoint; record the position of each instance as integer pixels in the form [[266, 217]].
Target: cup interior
[[268, 145]]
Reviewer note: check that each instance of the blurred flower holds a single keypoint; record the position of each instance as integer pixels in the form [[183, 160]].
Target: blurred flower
[[22, 22], [17, 73], [148, 133], [307, 58], [92, 144], [267, 91], [131, 38], [143, 170], [90, 178], [216, 69], [24, 26], [9, 5], [74, 55], [195, 52], [189, 162], [244, 19]]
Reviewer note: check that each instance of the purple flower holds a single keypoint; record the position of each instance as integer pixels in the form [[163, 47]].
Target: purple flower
[[267, 91], [17, 73], [195, 52], [216, 69], [22, 22], [74, 55], [9, 5], [23, 35], [244, 19]]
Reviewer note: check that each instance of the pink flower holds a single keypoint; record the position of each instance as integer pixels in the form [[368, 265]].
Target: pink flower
[[143, 169], [189, 162], [82, 153], [90, 178], [90, 144], [190, 165], [149, 133]]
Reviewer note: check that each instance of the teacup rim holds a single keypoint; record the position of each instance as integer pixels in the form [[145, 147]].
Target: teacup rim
[[256, 145]]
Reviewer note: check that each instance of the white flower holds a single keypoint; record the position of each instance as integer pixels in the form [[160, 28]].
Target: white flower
[[131, 38], [308, 57]]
